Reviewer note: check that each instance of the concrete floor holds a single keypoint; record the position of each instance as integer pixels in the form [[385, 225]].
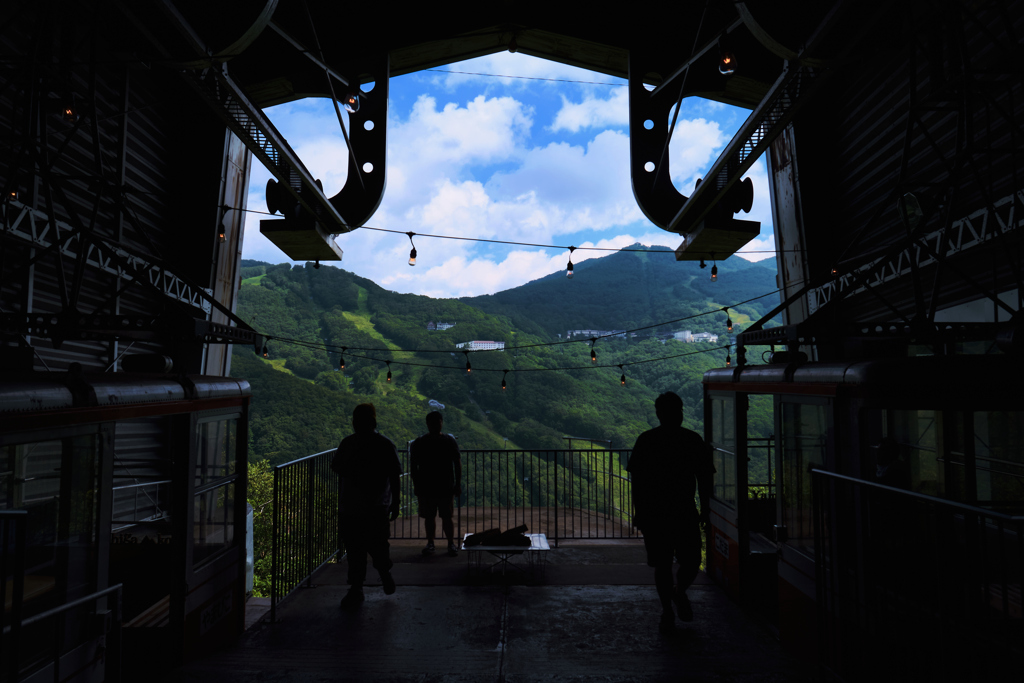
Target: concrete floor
[[444, 624]]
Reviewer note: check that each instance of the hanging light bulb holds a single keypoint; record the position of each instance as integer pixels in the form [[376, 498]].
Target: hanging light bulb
[[703, 265], [12, 195], [568, 268], [316, 264], [266, 354], [622, 380], [714, 273], [341, 358], [69, 113], [222, 237], [593, 353], [728, 359], [469, 368], [503, 381], [351, 102], [389, 369], [412, 254], [728, 320], [727, 63]]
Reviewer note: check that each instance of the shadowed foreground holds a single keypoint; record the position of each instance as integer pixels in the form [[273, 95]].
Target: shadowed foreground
[[591, 614]]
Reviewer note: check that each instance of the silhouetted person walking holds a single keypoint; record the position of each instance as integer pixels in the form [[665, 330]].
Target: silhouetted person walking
[[368, 465], [669, 463], [436, 478]]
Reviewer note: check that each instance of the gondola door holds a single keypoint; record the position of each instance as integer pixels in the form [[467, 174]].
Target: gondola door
[[805, 439], [213, 603]]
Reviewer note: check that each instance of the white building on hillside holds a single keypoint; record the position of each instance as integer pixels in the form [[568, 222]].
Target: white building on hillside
[[439, 326], [482, 346], [594, 333], [705, 337]]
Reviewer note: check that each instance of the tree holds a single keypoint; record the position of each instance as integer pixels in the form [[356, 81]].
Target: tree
[[261, 498]]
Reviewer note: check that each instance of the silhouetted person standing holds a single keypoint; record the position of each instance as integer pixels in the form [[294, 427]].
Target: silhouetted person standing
[[368, 465], [436, 478], [669, 463]]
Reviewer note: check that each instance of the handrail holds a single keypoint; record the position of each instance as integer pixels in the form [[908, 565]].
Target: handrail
[[305, 496], [931, 500], [14, 523], [113, 648], [516, 486], [116, 588], [939, 577]]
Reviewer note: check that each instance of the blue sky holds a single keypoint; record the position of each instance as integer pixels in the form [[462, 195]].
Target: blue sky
[[505, 159]]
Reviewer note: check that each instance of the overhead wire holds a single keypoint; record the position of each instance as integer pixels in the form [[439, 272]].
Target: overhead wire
[[524, 244], [347, 350], [527, 78]]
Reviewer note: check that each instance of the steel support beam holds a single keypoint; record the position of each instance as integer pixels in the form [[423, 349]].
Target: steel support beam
[[36, 228], [977, 229], [789, 93], [260, 136], [66, 326]]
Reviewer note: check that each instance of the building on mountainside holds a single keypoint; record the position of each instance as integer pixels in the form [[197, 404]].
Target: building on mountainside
[[595, 333], [704, 337], [684, 336], [432, 326], [481, 346]]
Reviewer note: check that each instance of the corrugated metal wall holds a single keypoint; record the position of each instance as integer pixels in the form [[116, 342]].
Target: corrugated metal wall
[[931, 103], [141, 168]]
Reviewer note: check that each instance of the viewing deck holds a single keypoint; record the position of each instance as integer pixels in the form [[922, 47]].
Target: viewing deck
[[591, 613]]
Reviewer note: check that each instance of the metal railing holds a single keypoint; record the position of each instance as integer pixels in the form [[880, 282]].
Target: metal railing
[[761, 512], [105, 622], [561, 493], [305, 526], [13, 524], [919, 587]]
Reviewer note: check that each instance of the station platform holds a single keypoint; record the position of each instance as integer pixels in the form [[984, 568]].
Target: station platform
[[593, 615]]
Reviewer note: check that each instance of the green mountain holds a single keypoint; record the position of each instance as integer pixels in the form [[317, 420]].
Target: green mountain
[[627, 290], [302, 401]]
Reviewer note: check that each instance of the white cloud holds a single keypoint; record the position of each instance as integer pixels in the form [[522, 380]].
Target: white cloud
[[526, 67], [694, 147], [760, 248], [593, 112], [468, 169]]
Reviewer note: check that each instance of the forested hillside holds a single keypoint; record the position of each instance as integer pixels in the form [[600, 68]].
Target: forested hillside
[[627, 290], [302, 401]]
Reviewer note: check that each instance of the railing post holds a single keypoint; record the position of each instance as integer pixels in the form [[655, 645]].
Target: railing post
[[556, 498], [276, 513], [114, 644], [310, 521]]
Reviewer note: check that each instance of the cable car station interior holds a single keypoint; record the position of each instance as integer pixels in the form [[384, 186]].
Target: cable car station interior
[[894, 139]]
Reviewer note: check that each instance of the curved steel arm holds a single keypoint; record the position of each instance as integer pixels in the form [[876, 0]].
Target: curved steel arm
[[657, 197], [367, 163]]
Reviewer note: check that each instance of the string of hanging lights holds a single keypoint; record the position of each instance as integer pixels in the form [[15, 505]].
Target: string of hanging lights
[[343, 349], [506, 371]]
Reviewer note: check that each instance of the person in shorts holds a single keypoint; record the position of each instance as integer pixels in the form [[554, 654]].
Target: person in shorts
[[368, 468], [436, 468], [668, 465]]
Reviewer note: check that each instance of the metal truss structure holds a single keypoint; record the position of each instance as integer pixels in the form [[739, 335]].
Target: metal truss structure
[[790, 92], [246, 121], [979, 228], [64, 326], [39, 229]]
